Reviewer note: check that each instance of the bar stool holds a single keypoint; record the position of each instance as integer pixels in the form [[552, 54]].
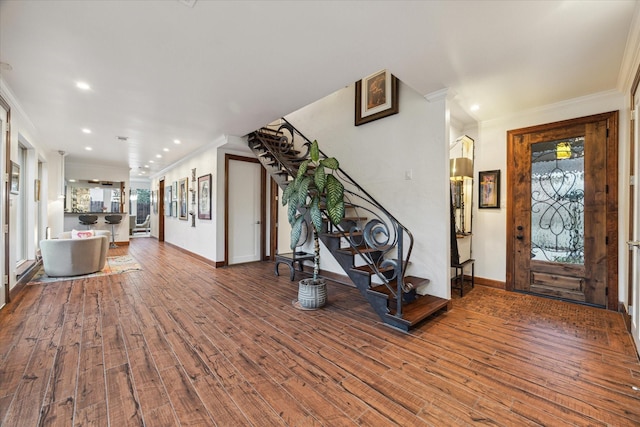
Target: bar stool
[[88, 220], [113, 220]]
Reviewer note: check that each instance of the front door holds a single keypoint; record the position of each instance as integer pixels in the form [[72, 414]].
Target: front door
[[562, 210]]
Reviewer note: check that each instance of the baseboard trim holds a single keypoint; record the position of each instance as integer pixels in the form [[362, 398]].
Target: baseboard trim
[[625, 315], [24, 278], [196, 256], [490, 283]]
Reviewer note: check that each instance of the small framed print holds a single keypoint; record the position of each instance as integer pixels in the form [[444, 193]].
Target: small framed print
[[489, 189], [15, 178], [183, 187], [204, 197], [167, 200]]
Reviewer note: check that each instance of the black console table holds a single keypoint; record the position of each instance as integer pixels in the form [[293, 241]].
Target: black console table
[[290, 259]]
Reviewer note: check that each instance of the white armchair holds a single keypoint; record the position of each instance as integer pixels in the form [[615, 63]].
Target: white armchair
[[73, 257]]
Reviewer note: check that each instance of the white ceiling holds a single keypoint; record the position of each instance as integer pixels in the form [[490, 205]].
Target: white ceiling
[[161, 70]]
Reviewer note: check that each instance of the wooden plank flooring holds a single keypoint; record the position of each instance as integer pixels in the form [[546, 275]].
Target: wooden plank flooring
[[182, 343]]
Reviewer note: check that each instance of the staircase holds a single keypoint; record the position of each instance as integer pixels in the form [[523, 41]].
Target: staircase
[[372, 247]]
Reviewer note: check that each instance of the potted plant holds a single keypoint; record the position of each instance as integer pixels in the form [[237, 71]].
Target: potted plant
[[312, 190]]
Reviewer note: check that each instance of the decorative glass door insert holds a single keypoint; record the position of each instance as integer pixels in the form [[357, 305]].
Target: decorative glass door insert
[[557, 201]]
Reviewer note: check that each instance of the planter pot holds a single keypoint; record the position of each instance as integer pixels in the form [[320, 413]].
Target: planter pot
[[312, 295]]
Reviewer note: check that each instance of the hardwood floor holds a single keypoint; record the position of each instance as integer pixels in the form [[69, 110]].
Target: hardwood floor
[[182, 343]]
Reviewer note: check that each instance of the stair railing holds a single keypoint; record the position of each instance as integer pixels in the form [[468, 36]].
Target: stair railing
[[382, 233]]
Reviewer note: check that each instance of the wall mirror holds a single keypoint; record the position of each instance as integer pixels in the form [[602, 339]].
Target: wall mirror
[[461, 152], [94, 196]]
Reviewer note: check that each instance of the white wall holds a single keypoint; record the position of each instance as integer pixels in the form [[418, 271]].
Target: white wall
[[377, 156], [206, 239], [489, 228], [22, 130]]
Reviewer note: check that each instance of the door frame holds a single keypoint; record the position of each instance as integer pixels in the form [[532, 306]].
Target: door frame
[[263, 203], [273, 220], [6, 200], [160, 202], [611, 196], [630, 316]]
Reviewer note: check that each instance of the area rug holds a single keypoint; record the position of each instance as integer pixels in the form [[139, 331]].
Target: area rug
[[114, 265]]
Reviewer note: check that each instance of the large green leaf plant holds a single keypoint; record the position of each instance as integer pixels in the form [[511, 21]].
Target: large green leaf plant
[[311, 189]]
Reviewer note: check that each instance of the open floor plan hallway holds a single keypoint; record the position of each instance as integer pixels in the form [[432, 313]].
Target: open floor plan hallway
[[183, 343]]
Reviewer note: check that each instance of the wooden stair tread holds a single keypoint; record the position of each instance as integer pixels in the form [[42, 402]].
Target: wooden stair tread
[[345, 234], [420, 309], [353, 251], [415, 281], [369, 270]]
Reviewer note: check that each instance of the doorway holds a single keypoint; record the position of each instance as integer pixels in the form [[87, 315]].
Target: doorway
[[161, 209], [562, 210], [634, 217], [245, 206], [5, 143]]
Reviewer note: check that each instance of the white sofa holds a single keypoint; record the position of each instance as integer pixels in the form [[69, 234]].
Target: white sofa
[[73, 257]]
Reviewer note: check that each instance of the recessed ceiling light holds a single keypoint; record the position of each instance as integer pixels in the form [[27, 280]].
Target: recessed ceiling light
[[150, 161], [159, 156], [83, 85], [85, 130], [474, 107], [88, 148], [165, 149], [146, 166], [72, 180], [176, 141]]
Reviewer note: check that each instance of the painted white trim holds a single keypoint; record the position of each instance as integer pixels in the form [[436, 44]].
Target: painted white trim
[[15, 105], [631, 57], [221, 140], [551, 107], [439, 95]]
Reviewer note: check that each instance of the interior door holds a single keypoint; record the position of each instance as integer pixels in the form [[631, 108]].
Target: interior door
[[245, 207], [561, 205]]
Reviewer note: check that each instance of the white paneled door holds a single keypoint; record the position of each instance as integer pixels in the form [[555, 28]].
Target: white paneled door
[[244, 211]]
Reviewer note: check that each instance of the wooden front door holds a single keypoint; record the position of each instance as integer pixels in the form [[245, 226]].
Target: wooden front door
[[562, 210]]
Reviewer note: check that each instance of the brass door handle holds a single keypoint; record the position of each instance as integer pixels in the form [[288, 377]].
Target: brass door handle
[[633, 244]]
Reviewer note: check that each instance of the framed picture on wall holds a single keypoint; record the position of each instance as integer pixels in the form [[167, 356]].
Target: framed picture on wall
[[204, 197], [183, 187], [376, 97], [489, 189], [154, 201], [167, 200], [15, 178]]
